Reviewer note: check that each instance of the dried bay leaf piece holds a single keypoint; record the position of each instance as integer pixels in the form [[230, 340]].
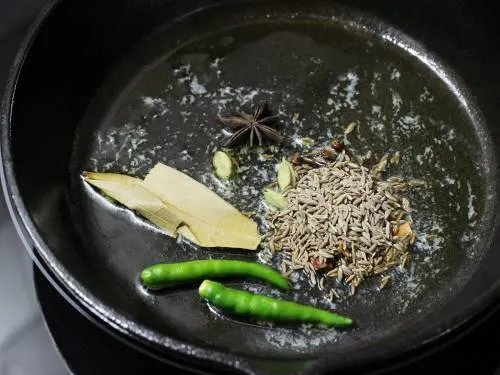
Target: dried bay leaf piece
[[211, 220], [185, 232], [131, 192]]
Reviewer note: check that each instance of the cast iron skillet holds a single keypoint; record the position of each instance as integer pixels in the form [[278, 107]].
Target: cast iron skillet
[[121, 85]]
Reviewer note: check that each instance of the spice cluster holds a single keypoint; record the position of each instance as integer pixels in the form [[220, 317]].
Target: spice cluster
[[331, 217]]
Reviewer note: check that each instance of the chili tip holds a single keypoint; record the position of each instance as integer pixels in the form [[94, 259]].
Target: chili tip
[[207, 288], [147, 276]]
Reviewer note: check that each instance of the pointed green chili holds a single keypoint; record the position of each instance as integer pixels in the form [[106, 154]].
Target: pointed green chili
[[163, 275], [258, 306]]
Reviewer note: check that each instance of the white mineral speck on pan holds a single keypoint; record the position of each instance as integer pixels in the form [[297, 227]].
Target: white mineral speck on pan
[[196, 87], [395, 74], [471, 211], [449, 180], [119, 149], [397, 101], [426, 96], [184, 69], [216, 63], [410, 123], [187, 100], [377, 76], [151, 102], [450, 135], [351, 90], [247, 98], [428, 152], [301, 339], [185, 155], [376, 110]]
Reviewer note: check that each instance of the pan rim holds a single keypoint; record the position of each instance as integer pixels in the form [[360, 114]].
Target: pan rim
[[34, 242]]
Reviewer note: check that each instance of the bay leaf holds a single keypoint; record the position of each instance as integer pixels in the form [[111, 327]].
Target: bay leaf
[[211, 221], [131, 192]]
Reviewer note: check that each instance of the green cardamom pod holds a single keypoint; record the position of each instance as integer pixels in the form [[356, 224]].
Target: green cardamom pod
[[287, 176], [275, 199], [224, 165]]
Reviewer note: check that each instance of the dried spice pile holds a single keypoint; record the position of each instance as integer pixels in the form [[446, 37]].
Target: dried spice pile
[[342, 221]]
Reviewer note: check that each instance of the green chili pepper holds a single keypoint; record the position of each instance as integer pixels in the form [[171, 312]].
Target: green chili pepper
[[266, 308], [165, 274]]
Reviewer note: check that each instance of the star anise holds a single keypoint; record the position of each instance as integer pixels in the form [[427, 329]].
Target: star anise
[[251, 126]]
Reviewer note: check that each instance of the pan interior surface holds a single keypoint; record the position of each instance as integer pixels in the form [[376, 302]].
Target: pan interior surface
[[321, 70]]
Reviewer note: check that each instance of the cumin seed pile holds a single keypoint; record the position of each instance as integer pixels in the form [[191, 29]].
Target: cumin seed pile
[[341, 222]]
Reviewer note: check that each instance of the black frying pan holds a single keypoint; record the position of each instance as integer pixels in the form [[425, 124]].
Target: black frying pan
[[118, 86]]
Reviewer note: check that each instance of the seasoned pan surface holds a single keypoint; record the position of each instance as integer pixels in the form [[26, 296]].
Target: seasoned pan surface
[[321, 67], [331, 73]]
